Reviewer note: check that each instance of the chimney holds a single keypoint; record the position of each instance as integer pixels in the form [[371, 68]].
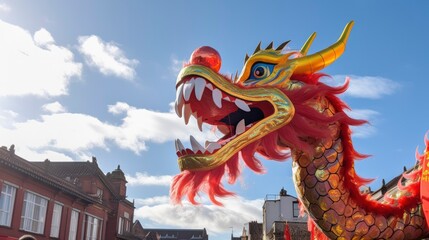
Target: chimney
[[118, 181]]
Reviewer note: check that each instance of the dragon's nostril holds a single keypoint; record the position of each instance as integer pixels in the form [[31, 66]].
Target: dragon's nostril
[[206, 56]]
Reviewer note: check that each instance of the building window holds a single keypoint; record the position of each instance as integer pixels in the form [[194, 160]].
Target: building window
[[7, 199], [100, 194], [93, 228], [56, 220], [295, 211], [127, 225], [73, 224], [124, 223], [121, 225], [33, 213]]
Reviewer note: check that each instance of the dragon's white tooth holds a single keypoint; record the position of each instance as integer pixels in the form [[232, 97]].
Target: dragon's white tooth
[[196, 146], [217, 97], [176, 108], [242, 105], [187, 113], [200, 123], [212, 146], [179, 145], [227, 99], [209, 86], [200, 85], [178, 105], [179, 92], [195, 115], [187, 89], [240, 128]]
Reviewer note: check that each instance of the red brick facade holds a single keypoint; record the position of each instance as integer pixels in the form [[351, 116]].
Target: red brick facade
[[62, 200]]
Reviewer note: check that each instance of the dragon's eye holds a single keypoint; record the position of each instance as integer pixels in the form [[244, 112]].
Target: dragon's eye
[[259, 71]]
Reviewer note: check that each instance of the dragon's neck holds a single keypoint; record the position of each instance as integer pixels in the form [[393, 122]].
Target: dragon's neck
[[324, 183]]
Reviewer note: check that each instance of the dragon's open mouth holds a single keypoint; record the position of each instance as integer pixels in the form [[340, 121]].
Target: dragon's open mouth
[[230, 114], [232, 109]]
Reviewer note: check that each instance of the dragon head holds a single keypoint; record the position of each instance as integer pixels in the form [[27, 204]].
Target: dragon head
[[252, 110]]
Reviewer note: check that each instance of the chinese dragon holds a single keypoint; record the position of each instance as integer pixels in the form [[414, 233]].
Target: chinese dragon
[[277, 108]]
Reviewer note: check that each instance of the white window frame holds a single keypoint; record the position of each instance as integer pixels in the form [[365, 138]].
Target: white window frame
[[295, 209], [33, 213], [74, 221], [127, 225], [93, 227], [56, 220], [7, 201], [121, 225]]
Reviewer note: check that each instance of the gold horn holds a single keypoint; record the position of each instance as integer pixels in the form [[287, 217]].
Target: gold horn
[[318, 61]]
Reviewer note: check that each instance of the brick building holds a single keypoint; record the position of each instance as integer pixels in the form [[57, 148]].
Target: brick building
[[62, 200]]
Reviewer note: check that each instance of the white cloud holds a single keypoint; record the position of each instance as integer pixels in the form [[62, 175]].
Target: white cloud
[[143, 179], [140, 125], [119, 107], [76, 134], [152, 200], [366, 130], [235, 212], [34, 65], [43, 38], [54, 107], [46, 154], [7, 117], [59, 131], [107, 57], [8, 114], [4, 7], [365, 86]]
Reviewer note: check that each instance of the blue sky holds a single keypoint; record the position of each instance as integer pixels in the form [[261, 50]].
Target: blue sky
[[81, 79]]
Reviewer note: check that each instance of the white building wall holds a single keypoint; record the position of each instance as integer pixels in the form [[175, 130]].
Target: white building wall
[[278, 208]]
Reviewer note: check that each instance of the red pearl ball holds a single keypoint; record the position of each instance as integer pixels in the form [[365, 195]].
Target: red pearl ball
[[206, 56]]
